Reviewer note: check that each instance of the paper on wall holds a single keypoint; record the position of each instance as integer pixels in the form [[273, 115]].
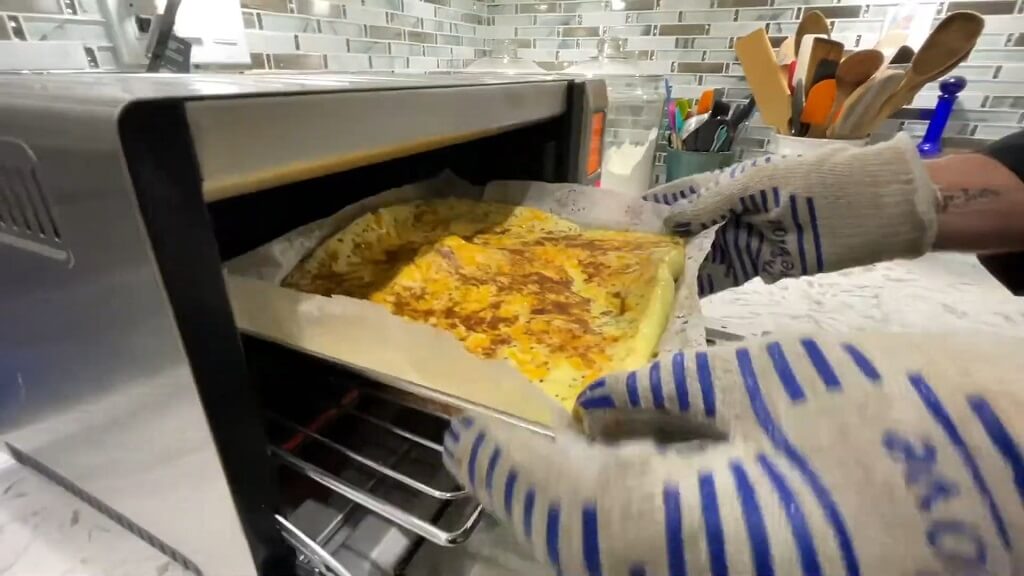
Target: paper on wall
[[416, 357]]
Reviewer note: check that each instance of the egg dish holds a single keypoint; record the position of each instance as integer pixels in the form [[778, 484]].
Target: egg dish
[[563, 304]]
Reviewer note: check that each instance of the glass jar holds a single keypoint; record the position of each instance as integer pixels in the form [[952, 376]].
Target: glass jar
[[636, 104], [504, 59]]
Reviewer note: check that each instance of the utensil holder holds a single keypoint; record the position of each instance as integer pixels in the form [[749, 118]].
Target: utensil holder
[[793, 145], [683, 163]]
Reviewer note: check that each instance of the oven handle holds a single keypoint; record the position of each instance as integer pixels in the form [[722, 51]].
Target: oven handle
[[381, 507]]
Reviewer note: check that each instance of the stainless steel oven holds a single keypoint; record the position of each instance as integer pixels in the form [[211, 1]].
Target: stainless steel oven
[[123, 376]]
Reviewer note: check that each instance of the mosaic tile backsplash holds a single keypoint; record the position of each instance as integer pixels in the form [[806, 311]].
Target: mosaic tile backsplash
[[688, 41]]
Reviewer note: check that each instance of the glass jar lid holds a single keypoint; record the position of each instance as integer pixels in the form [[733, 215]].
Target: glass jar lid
[[504, 59]]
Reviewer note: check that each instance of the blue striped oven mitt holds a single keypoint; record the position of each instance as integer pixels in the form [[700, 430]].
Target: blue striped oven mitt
[[793, 216], [826, 456]]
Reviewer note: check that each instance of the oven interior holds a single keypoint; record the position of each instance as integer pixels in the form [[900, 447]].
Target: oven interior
[[358, 467]]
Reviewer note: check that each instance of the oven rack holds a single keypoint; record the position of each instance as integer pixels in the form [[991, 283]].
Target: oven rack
[[311, 550]]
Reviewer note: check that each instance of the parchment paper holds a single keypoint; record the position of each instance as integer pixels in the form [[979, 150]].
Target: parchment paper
[[419, 358]]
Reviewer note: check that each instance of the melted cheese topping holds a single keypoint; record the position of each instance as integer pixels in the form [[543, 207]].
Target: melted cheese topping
[[562, 304]]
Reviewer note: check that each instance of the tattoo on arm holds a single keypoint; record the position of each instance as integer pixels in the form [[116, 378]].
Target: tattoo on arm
[[964, 198]]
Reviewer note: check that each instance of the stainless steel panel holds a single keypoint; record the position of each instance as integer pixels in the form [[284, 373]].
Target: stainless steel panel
[[314, 124], [92, 371], [258, 143]]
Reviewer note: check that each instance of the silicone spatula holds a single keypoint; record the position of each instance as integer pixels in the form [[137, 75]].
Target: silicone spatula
[[755, 54], [817, 107], [707, 100], [683, 106], [740, 113], [720, 109]]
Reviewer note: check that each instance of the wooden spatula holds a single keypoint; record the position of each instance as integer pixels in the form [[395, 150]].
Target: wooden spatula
[[803, 57], [821, 49], [817, 107], [904, 55], [862, 106], [813, 22], [947, 45], [853, 71], [769, 88]]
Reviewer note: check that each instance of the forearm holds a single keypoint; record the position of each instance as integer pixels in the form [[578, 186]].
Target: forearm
[[982, 204]]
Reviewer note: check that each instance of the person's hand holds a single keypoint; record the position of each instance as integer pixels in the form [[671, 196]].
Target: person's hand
[[794, 216], [825, 458]]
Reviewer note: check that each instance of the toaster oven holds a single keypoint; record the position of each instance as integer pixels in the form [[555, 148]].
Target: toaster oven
[[123, 376]]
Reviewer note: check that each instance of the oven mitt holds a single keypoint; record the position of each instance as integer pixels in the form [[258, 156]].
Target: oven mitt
[[793, 216], [838, 460]]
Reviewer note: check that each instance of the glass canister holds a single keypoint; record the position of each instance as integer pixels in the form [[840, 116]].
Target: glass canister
[[504, 59], [636, 103]]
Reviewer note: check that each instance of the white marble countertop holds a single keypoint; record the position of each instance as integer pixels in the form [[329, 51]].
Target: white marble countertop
[[44, 531], [935, 293]]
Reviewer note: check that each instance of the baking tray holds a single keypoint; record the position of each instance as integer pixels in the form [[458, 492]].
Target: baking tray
[[424, 366]]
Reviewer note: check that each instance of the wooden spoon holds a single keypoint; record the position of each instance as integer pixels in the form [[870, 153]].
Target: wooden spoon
[[861, 107], [787, 52], [951, 66], [785, 57], [948, 45], [853, 71], [813, 22]]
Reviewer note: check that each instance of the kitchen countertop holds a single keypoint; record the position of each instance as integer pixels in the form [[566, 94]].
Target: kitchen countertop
[[44, 531], [935, 293]]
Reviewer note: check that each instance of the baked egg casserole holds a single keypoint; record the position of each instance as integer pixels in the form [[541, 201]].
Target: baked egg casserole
[[564, 305]]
